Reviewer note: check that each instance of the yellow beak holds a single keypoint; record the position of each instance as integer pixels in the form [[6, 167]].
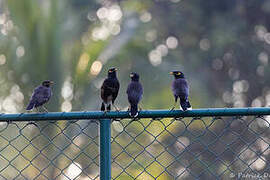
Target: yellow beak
[[131, 75], [171, 73], [112, 70]]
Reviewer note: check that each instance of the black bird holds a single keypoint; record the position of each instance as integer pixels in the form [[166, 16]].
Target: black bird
[[109, 90], [41, 95], [180, 90], [134, 92]]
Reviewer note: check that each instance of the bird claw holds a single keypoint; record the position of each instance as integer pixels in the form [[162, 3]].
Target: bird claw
[[172, 108], [134, 115], [116, 108]]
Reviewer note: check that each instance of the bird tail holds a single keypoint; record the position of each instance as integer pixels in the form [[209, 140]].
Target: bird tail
[[102, 107], [30, 106], [188, 105], [134, 110], [185, 104]]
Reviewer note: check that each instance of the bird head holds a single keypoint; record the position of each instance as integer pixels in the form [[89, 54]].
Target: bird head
[[112, 72], [47, 83], [177, 74], [134, 76]]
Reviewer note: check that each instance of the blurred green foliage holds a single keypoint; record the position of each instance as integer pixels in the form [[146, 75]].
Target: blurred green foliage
[[221, 46]]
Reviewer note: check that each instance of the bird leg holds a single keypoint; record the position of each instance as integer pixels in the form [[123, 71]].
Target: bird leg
[[173, 107], [102, 107], [116, 108], [140, 108], [37, 109], [108, 107]]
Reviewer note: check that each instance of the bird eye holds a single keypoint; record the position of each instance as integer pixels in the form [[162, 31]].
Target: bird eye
[[178, 73]]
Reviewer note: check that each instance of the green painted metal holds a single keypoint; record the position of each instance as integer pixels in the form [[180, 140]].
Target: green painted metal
[[142, 114], [105, 149]]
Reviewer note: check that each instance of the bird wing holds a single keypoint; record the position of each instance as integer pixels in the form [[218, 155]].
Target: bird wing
[[115, 89], [110, 87], [41, 95], [134, 92], [180, 88]]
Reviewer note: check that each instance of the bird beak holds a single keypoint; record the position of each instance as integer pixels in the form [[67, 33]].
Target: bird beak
[[113, 70], [51, 82], [171, 73], [131, 75]]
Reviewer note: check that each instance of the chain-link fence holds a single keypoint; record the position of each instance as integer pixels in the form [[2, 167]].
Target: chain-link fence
[[47, 150], [216, 147]]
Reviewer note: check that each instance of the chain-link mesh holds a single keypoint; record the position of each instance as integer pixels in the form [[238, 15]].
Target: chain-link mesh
[[45, 150], [191, 148], [146, 149]]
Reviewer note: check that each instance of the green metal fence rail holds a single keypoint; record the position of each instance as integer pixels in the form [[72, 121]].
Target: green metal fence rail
[[220, 143]]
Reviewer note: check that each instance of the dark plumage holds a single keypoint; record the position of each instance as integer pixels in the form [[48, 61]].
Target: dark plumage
[[41, 95], [180, 90], [109, 90], [134, 92]]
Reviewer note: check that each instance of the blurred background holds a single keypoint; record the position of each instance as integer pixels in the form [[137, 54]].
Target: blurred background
[[221, 46]]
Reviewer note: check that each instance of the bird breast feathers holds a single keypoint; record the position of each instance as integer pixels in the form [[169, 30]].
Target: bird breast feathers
[[135, 87]]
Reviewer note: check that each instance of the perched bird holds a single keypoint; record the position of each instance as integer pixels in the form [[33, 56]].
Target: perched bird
[[109, 90], [134, 92], [41, 95], [180, 90]]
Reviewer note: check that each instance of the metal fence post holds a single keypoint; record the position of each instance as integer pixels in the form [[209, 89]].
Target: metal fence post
[[105, 149]]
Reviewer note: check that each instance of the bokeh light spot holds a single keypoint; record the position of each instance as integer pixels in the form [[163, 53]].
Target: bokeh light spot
[[2, 59], [83, 62], [115, 29], [257, 102], [151, 36], [172, 42], [205, 44], [73, 171], [145, 17], [263, 58], [217, 64], [20, 51], [260, 70], [3, 18], [96, 68], [267, 38], [234, 73], [155, 57], [260, 31], [259, 164], [114, 13], [66, 106], [162, 49], [102, 13], [100, 33]]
